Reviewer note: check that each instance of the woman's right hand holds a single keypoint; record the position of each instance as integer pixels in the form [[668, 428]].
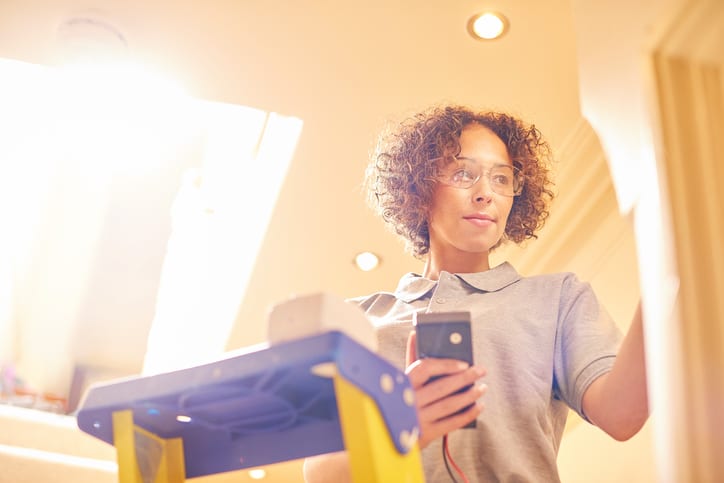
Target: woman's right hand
[[437, 401]]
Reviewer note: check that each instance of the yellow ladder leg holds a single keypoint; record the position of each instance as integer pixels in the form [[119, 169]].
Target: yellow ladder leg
[[142, 456], [372, 453]]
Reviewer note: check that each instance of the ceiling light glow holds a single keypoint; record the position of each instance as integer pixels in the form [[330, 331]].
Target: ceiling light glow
[[257, 474], [487, 25], [366, 261]]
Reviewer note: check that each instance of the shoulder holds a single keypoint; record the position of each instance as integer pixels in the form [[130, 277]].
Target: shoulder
[[370, 300], [561, 291], [409, 287], [378, 306], [556, 277], [564, 281]]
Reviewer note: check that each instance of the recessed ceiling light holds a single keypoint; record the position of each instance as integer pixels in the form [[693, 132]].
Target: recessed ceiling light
[[257, 474], [487, 25], [366, 261]]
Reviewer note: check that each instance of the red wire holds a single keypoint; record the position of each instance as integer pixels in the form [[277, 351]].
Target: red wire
[[446, 448]]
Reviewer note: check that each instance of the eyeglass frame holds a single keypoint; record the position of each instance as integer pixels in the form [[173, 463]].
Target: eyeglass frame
[[517, 177]]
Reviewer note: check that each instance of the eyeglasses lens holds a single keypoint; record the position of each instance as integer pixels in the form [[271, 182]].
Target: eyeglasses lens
[[504, 180]]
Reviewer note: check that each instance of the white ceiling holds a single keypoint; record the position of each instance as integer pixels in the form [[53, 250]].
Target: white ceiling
[[344, 69]]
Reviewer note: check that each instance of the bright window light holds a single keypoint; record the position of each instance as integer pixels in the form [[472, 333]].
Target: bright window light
[[219, 218], [67, 133], [72, 131], [117, 115]]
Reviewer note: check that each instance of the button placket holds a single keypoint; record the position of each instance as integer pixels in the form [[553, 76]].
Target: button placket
[[442, 294]]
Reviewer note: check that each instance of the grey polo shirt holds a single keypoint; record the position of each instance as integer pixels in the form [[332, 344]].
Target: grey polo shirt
[[543, 340]]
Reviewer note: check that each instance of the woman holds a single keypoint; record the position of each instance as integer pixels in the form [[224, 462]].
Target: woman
[[456, 184]]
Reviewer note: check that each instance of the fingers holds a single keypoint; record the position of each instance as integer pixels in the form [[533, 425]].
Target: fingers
[[422, 370], [446, 386], [443, 408], [457, 411]]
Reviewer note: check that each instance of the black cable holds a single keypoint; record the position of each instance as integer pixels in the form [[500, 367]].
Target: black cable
[[444, 458]]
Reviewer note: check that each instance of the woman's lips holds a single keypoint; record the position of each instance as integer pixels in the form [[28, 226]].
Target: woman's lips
[[480, 220]]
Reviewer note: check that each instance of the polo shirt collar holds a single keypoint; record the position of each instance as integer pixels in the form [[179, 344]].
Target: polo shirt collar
[[413, 286]]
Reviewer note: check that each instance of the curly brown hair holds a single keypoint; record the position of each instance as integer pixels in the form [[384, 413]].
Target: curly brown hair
[[401, 176]]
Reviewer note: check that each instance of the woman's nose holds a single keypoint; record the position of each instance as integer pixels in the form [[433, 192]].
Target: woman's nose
[[482, 191]]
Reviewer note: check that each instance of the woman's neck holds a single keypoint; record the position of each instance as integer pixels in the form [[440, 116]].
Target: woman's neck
[[461, 263]]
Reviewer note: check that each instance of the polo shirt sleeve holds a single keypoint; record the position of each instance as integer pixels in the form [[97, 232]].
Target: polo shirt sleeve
[[587, 341]]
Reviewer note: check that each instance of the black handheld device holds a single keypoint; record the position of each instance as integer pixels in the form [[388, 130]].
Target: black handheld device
[[444, 335]]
